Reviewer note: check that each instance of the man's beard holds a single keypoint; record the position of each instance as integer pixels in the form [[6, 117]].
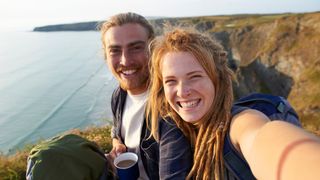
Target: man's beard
[[139, 82]]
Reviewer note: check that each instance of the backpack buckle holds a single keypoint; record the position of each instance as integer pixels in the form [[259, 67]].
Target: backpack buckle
[[281, 107]]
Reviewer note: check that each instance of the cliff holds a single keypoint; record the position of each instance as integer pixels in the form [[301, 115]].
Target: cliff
[[83, 26], [275, 53]]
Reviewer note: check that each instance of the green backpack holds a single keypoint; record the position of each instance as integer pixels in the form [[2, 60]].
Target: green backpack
[[68, 157]]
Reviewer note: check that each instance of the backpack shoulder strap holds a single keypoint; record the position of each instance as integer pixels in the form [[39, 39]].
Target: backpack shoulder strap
[[233, 161]]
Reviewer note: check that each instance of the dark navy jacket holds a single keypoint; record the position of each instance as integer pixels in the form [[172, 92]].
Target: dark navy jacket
[[170, 158]]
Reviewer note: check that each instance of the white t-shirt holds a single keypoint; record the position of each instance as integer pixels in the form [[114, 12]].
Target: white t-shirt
[[132, 122]]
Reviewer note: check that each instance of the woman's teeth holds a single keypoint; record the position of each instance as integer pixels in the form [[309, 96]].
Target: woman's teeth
[[189, 104]]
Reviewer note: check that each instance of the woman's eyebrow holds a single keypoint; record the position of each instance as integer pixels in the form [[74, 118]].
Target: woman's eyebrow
[[194, 72]]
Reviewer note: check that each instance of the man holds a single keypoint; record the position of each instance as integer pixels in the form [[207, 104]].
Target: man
[[125, 40]]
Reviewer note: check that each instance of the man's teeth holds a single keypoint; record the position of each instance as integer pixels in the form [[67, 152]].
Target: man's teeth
[[129, 72], [189, 104]]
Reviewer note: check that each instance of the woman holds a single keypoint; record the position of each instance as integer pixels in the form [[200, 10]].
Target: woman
[[192, 84]]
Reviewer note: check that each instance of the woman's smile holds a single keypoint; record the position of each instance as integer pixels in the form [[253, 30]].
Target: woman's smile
[[189, 104]]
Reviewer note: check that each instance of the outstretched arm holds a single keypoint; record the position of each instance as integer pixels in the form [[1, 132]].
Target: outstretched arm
[[275, 150]]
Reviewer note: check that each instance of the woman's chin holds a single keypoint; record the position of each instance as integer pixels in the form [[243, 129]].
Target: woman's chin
[[190, 119]]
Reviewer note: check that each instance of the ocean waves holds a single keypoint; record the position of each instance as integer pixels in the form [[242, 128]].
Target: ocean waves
[[66, 87]]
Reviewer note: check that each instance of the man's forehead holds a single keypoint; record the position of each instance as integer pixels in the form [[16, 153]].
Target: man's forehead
[[112, 44], [125, 35]]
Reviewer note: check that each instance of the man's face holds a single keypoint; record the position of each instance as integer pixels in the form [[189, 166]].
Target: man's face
[[127, 57]]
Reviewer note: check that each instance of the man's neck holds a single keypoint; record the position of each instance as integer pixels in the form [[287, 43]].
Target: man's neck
[[138, 91]]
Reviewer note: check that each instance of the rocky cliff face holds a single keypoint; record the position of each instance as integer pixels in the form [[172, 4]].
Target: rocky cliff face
[[277, 54], [281, 57]]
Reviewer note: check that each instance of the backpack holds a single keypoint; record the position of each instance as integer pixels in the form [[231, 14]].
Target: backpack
[[68, 157], [276, 108]]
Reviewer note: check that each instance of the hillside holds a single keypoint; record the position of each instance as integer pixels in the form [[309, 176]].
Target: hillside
[[277, 53], [83, 26]]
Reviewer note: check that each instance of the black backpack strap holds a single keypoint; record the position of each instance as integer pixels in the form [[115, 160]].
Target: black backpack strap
[[235, 162]]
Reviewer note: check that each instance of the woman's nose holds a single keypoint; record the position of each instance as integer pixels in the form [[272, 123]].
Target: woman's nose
[[184, 90]]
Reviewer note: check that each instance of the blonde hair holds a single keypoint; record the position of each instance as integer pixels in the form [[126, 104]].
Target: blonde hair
[[207, 137], [125, 18]]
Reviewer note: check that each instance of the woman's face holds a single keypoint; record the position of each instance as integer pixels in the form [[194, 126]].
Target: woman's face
[[188, 89]]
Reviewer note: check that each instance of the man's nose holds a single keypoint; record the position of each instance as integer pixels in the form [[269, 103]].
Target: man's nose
[[125, 58]]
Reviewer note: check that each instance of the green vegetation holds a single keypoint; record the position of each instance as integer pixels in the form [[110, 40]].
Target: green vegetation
[[13, 167], [310, 122], [307, 98], [223, 23]]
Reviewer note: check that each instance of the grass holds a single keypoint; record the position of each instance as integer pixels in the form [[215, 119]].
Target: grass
[[13, 167], [307, 101]]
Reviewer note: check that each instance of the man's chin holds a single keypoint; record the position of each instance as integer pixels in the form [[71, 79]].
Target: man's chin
[[127, 86], [132, 86]]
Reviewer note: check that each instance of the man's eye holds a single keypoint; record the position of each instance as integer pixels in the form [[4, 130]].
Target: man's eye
[[114, 51], [137, 48]]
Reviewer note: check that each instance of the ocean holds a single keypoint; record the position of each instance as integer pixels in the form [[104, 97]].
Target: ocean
[[51, 83]]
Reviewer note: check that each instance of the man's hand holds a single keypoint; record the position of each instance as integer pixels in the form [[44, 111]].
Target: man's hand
[[118, 148]]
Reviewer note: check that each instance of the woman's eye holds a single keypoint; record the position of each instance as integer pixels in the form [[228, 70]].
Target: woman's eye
[[195, 76], [169, 82]]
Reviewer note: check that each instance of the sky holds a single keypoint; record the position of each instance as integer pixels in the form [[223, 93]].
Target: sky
[[27, 14]]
